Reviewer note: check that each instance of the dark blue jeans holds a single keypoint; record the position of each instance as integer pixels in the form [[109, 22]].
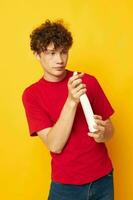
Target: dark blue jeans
[[101, 189]]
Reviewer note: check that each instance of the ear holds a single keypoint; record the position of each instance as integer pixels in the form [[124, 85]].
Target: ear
[[37, 56]]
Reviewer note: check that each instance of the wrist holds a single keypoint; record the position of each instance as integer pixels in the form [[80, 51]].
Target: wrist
[[71, 103]]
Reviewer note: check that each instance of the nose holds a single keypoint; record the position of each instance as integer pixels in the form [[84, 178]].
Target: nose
[[59, 59]]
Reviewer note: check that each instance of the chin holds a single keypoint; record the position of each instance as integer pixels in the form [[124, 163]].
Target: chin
[[59, 72]]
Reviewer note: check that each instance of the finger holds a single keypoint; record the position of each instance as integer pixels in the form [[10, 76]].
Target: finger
[[79, 93], [72, 78], [97, 117], [81, 86], [94, 135], [99, 128], [91, 134], [81, 74], [100, 122], [76, 82]]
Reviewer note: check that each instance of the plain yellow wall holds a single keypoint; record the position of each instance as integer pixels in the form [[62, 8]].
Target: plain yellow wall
[[103, 43]]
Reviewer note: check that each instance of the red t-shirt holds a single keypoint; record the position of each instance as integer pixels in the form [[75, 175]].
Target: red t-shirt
[[82, 160]]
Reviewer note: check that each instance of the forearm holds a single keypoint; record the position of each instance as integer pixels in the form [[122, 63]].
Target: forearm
[[59, 134]]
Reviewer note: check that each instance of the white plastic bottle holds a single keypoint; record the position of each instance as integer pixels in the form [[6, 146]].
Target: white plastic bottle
[[88, 112]]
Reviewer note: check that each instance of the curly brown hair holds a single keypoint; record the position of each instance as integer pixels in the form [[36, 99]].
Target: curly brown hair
[[48, 32]]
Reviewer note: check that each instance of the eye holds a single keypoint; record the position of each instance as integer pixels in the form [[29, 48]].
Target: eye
[[52, 53]]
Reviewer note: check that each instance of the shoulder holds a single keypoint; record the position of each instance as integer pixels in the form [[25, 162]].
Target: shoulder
[[89, 76], [90, 79], [92, 84], [30, 91]]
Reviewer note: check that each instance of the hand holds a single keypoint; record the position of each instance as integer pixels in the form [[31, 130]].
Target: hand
[[76, 88], [99, 135]]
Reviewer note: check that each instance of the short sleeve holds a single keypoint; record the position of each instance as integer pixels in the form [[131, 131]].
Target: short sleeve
[[101, 105], [37, 118]]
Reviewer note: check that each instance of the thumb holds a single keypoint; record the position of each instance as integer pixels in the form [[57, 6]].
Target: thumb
[[91, 134]]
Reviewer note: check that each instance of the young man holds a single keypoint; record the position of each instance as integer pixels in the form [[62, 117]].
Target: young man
[[81, 167]]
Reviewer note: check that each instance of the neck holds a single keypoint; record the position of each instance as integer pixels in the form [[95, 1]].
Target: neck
[[55, 78]]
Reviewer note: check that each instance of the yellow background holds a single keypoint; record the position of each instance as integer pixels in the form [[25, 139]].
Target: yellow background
[[103, 32]]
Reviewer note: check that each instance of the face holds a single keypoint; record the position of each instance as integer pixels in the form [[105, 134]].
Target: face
[[54, 62]]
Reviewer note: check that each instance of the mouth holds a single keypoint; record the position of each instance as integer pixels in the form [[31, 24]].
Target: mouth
[[59, 68]]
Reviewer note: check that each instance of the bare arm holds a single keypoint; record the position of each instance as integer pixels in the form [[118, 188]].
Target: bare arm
[[56, 137]]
